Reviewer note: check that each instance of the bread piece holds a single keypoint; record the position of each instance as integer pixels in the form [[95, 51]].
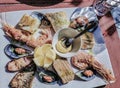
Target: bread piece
[[64, 70], [29, 23], [58, 20]]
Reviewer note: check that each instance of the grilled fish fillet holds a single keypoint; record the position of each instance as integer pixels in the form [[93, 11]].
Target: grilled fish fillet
[[64, 70], [58, 20], [87, 41], [22, 80], [18, 64], [29, 23]]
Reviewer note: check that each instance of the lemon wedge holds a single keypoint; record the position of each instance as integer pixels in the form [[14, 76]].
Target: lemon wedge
[[51, 54], [39, 61], [44, 55], [38, 52], [46, 48], [47, 62]]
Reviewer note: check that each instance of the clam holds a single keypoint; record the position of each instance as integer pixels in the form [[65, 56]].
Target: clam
[[43, 19], [47, 76], [85, 76], [14, 51]]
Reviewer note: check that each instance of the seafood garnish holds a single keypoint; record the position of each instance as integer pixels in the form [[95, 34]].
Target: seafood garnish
[[18, 64], [22, 80], [49, 77], [19, 35], [28, 23], [90, 61], [85, 75], [14, 51]]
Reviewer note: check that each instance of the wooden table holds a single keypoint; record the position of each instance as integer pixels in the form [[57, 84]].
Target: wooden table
[[106, 23]]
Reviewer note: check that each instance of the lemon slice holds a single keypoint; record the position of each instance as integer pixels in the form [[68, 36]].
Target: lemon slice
[[38, 56], [47, 62], [46, 48], [35, 50], [39, 61], [38, 52], [51, 54], [44, 55]]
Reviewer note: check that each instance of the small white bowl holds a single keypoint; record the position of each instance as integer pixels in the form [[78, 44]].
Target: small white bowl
[[66, 32]]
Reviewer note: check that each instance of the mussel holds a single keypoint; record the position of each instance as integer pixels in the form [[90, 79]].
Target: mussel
[[14, 51], [43, 19], [82, 16], [86, 75], [48, 77]]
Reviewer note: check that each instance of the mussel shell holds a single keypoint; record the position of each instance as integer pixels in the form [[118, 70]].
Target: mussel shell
[[9, 51], [48, 73], [40, 16], [87, 12], [83, 77]]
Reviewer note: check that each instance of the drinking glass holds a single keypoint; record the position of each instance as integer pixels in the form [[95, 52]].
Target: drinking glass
[[101, 7]]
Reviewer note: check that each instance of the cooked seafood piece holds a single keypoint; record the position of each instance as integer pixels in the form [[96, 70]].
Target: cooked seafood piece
[[14, 51], [85, 75], [18, 64], [88, 73], [88, 41], [90, 61], [48, 77], [64, 70], [22, 80], [58, 20], [79, 22], [79, 61], [29, 23], [20, 50], [20, 35], [104, 72]]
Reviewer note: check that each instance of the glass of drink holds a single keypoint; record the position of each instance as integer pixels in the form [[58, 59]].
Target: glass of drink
[[101, 7]]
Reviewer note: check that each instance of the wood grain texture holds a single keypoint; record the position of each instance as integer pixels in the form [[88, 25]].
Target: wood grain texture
[[13, 5], [41, 1], [105, 22], [113, 46]]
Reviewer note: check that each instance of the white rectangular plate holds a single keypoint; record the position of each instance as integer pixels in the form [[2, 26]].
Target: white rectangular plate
[[5, 77]]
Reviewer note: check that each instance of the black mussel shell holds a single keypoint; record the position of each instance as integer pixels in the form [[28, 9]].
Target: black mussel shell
[[10, 51], [83, 77], [40, 16], [51, 74], [29, 68]]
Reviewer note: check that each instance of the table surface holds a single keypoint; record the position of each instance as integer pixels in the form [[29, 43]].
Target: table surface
[[106, 23]]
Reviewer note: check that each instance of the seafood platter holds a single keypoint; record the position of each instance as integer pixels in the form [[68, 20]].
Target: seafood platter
[[53, 48]]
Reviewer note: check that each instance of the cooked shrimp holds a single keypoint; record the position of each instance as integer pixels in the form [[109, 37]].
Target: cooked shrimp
[[89, 60], [19, 35]]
